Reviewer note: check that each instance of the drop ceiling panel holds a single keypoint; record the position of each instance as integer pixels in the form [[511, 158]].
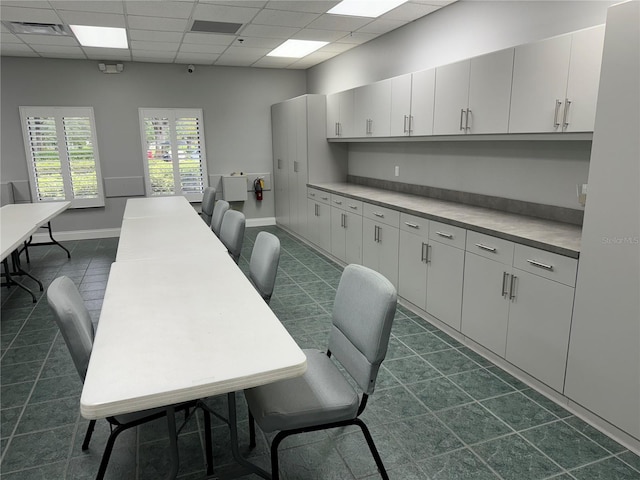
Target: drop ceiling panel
[[8, 37], [284, 19], [94, 6], [202, 48], [17, 50], [155, 36], [302, 6], [224, 13], [159, 9], [321, 35], [196, 58], [209, 38], [96, 19], [339, 22], [268, 31], [156, 46], [33, 15], [49, 40], [157, 23], [381, 26], [410, 11]]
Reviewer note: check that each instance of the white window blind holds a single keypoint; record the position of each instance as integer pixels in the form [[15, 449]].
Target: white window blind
[[62, 155], [174, 153]]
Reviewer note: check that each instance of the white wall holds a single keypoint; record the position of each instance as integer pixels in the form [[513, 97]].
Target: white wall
[[540, 172], [236, 103]]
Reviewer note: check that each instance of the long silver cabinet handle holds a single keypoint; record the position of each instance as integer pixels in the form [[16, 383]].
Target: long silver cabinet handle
[[461, 116], [445, 235], [412, 225], [337, 202], [324, 198], [410, 124], [429, 250], [512, 287], [555, 115], [377, 214], [424, 254], [406, 121], [540, 265], [486, 247], [567, 104], [505, 276], [466, 123], [355, 207]]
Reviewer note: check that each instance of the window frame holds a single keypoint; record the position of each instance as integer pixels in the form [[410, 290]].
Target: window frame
[[174, 114], [64, 155]]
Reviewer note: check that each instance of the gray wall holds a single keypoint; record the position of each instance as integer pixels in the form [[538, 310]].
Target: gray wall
[[543, 172], [235, 101]]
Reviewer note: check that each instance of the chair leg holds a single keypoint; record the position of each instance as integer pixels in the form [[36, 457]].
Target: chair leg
[[87, 436], [107, 451], [372, 448], [275, 471], [208, 442], [252, 431]]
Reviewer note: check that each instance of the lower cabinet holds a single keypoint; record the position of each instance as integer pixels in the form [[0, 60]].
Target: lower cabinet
[[380, 240], [319, 219], [346, 229]]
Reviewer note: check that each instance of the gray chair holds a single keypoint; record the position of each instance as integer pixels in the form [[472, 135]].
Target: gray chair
[[74, 323], [208, 200], [232, 233], [263, 265], [323, 397], [217, 216]]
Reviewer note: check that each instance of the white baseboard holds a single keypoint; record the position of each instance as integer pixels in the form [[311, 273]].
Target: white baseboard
[[78, 235], [261, 222]]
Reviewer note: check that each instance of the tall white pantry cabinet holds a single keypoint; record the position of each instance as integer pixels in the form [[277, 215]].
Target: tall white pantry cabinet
[[301, 154]]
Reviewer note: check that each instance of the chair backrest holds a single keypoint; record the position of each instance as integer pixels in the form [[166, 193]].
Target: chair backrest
[[232, 232], [263, 265], [73, 320], [221, 207], [208, 200], [363, 312]]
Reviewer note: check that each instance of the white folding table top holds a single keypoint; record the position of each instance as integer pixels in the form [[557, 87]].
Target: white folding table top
[[12, 234], [158, 207], [163, 237], [187, 327], [36, 213]]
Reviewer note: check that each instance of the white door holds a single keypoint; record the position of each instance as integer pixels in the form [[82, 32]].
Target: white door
[[353, 230], [338, 234], [423, 86], [333, 115], [451, 99], [400, 105], [444, 283], [412, 267]]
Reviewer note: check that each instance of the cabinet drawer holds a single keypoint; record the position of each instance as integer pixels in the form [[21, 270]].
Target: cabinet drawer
[[448, 234], [546, 264], [490, 247], [413, 224], [319, 195], [381, 214], [347, 204]]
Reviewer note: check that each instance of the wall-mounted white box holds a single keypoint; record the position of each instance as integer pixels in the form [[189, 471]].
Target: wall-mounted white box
[[234, 188]]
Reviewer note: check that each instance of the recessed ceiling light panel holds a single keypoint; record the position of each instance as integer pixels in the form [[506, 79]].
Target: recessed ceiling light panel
[[365, 8], [296, 48], [104, 37]]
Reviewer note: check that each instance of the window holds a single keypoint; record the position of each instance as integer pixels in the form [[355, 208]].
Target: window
[[62, 155], [173, 151]]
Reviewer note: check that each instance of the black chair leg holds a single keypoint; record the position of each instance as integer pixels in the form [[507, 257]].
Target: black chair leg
[[252, 431], [107, 451], [208, 442], [372, 448], [275, 469], [87, 436]]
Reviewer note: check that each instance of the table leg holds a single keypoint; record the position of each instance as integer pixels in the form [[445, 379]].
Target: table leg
[[233, 427], [52, 241], [173, 443]]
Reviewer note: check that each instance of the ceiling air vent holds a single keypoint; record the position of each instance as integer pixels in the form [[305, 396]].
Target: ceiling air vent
[[204, 26], [37, 28]]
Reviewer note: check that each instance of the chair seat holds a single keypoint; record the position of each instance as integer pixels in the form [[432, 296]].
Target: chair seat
[[322, 395]]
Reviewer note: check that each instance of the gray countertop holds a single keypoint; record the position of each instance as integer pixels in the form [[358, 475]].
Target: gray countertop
[[556, 237]]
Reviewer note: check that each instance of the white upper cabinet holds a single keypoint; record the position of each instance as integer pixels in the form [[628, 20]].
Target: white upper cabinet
[[372, 110], [555, 83], [473, 96], [340, 114], [412, 97]]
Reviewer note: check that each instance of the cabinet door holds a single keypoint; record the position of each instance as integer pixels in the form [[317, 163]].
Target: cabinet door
[[584, 78], [333, 115], [485, 310], [338, 234], [323, 232], [539, 323], [370, 249], [540, 72], [353, 230], [412, 268], [451, 99], [280, 171], [444, 283], [312, 221], [292, 121], [388, 241], [423, 86], [372, 110], [345, 100], [400, 105], [490, 92]]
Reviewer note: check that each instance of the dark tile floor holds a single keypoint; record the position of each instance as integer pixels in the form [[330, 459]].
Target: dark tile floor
[[440, 411]]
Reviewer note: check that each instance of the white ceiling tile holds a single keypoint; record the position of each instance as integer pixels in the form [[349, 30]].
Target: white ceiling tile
[[151, 59], [168, 47], [409, 11], [61, 40], [311, 6], [284, 19], [157, 23], [320, 35], [357, 38], [202, 48], [22, 3], [234, 62], [159, 9], [439, 3], [258, 42], [196, 58], [268, 31], [56, 54], [245, 53], [34, 15], [380, 26], [95, 19], [59, 48], [336, 48], [244, 3], [93, 6], [160, 55], [314, 58], [17, 49], [274, 62], [209, 38], [155, 36], [8, 37], [339, 22], [224, 13], [107, 53]]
